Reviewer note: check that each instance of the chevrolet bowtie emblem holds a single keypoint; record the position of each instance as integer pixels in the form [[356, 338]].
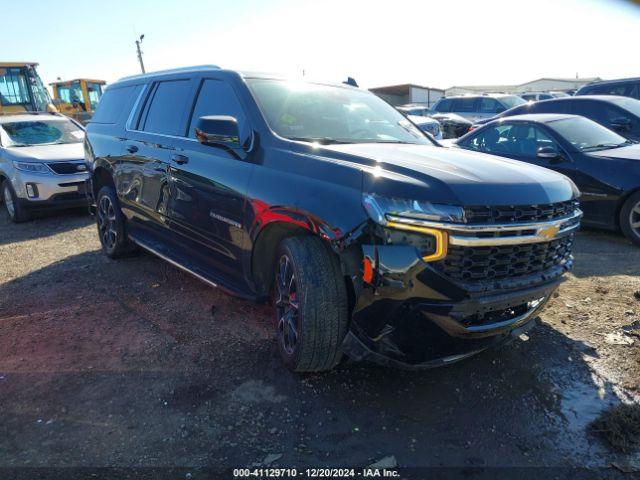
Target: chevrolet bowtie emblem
[[549, 232]]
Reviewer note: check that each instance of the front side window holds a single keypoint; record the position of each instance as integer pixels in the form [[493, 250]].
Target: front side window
[[464, 104], [489, 105], [14, 87], [586, 135], [218, 98], [165, 113], [512, 139], [331, 114], [40, 132]]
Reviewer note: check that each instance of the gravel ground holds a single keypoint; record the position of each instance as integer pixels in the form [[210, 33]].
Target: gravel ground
[[133, 363]]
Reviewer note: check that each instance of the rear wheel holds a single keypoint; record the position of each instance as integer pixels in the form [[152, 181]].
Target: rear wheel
[[111, 225], [630, 218], [17, 213], [311, 304]]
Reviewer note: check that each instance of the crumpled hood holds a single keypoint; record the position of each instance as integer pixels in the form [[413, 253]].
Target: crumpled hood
[[631, 152], [454, 176], [46, 153]]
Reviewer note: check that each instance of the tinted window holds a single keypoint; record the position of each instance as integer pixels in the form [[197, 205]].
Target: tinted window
[[520, 139], [635, 91], [464, 104], [545, 96], [550, 106], [218, 98], [167, 107], [600, 112], [443, 105], [489, 105], [115, 102]]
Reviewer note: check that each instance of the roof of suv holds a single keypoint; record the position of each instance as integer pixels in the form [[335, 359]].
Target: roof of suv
[[215, 68], [610, 82], [538, 117]]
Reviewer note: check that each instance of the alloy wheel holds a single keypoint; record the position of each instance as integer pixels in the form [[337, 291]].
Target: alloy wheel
[[8, 202], [287, 305], [107, 222], [634, 219]]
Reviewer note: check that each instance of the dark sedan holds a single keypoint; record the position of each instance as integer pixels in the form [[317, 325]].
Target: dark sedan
[[621, 114], [604, 165]]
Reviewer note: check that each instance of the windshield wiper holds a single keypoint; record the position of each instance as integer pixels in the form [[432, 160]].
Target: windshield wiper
[[320, 140], [603, 146]]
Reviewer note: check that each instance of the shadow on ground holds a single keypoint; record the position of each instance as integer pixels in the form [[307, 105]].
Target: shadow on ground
[[42, 225]]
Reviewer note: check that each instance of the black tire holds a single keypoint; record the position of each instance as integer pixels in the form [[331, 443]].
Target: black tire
[[112, 228], [17, 213], [321, 317], [630, 218]]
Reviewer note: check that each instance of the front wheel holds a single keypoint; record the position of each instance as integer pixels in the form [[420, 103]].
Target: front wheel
[[310, 301], [111, 225], [17, 212], [630, 218]]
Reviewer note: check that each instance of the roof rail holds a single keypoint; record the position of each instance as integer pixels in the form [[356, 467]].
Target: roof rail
[[196, 68]]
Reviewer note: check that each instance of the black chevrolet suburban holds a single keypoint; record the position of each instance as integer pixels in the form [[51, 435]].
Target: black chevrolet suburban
[[370, 239]]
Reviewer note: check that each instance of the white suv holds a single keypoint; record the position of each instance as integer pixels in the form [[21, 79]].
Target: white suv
[[41, 164]]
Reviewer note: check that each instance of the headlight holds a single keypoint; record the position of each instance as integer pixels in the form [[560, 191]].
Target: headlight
[[396, 214], [33, 167]]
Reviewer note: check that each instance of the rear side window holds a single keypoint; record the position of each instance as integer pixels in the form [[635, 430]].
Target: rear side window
[[443, 105], [218, 98], [115, 103], [465, 104], [165, 114], [550, 106], [601, 112]]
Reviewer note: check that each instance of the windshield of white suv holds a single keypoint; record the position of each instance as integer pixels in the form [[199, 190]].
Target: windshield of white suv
[[331, 114], [40, 132], [587, 135]]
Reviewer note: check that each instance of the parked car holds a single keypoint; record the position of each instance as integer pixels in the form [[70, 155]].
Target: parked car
[[427, 125], [625, 87], [620, 114], [41, 164], [476, 107], [369, 238], [451, 125], [604, 165], [537, 96]]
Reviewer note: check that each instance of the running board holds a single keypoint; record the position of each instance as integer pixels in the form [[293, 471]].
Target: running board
[[158, 250]]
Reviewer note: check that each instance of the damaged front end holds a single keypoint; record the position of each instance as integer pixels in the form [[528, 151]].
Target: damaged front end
[[440, 283]]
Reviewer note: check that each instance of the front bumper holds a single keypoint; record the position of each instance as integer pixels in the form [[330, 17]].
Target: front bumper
[[415, 314], [40, 191]]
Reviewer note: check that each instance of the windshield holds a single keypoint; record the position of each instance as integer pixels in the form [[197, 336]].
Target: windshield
[[331, 114], [512, 101], [586, 135], [71, 93], [40, 132]]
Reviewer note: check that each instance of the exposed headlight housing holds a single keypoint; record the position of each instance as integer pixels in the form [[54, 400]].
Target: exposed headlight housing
[[392, 213], [32, 167]]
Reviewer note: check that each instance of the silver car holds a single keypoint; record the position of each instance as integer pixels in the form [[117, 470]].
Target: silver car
[[41, 164], [477, 107]]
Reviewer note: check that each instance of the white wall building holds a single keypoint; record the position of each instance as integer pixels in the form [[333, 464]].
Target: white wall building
[[408, 93]]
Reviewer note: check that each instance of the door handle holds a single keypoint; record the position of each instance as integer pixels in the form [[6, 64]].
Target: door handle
[[180, 159], [132, 149]]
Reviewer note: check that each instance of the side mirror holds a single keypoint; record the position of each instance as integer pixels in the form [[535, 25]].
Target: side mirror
[[218, 130], [548, 153], [622, 124]]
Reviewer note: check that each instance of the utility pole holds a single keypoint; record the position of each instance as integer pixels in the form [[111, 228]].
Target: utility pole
[[138, 42]]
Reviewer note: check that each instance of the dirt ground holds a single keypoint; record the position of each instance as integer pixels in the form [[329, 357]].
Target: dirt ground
[[133, 363]]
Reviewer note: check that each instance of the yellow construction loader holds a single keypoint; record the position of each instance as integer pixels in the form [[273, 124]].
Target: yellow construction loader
[[21, 89], [77, 98]]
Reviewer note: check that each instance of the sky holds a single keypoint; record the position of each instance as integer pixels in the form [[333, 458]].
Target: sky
[[432, 43]]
